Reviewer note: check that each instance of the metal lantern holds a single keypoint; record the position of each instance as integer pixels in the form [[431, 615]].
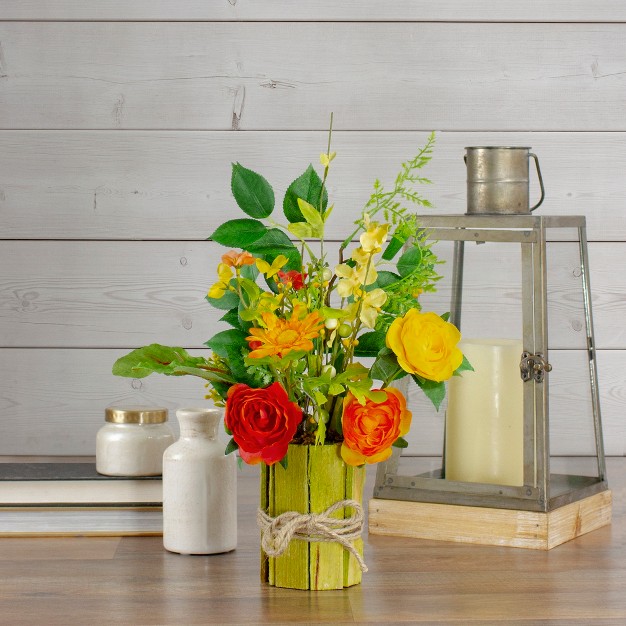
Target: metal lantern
[[538, 482]]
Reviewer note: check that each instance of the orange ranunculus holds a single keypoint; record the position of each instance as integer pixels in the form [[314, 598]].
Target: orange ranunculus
[[369, 430], [280, 337], [262, 421], [425, 345], [237, 259]]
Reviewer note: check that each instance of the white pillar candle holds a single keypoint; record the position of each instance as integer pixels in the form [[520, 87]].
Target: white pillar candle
[[485, 421]]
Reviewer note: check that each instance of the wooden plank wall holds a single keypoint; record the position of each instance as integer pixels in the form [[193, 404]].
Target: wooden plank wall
[[119, 121]]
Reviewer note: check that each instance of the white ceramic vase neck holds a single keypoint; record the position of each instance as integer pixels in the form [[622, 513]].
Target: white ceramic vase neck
[[199, 423], [199, 488]]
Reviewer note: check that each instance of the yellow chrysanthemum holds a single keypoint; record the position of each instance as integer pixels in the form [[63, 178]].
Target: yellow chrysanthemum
[[280, 336]]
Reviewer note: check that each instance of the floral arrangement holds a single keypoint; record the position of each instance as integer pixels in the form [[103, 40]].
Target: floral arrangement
[[289, 369]]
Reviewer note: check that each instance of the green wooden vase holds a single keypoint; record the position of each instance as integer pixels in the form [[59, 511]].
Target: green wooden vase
[[316, 478]]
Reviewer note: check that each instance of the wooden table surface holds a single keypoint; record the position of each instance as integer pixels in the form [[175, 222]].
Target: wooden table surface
[[133, 580]]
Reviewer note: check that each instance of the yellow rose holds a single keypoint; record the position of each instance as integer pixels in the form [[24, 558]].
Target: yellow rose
[[425, 345]]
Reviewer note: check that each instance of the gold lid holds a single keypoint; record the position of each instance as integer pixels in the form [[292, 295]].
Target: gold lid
[[135, 415]]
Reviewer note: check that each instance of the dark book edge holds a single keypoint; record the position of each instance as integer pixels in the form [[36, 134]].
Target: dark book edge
[[59, 471]]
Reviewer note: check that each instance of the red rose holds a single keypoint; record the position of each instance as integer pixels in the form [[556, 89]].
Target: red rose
[[370, 429], [262, 422]]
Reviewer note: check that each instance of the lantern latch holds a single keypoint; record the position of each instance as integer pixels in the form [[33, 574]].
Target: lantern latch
[[533, 366]]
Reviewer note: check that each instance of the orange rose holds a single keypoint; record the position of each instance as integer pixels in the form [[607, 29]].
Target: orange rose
[[370, 429], [425, 345]]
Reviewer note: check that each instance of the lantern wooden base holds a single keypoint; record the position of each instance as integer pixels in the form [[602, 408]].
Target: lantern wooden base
[[485, 526]]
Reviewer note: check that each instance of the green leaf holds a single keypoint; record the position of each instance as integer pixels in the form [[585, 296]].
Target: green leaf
[[328, 312], [211, 376], [320, 398], [400, 442], [376, 396], [250, 272], [384, 279], [274, 239], [409, 261], [239, 233], [370, 344], [334, 389], [308, 187], [395, 245], [386, 368], [252, 192], [445, 316], [222, 341], [311, 215], [276, 242], [320, 433], [251, 289], [228, 301], [232, 318], [301, 230], [284, 462], [465, 366], [152, 359], [434, 391], [231, 447]]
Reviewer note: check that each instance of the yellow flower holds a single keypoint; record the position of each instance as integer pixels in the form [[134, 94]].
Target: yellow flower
[[370, 306], [280, 337], [224, 274], [360, 256], [325, 158], [374, 237], [270, 270], [353, 278], [425, 345]]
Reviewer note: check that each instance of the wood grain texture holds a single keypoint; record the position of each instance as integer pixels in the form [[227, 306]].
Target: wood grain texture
[[325, 10], [291, 492], [409, 580], [236, 76], [488, 526], [176, 185], [53, 401], [126, 294]]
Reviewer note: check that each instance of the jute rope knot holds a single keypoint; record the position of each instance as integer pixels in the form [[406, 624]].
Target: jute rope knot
[[277, 532]]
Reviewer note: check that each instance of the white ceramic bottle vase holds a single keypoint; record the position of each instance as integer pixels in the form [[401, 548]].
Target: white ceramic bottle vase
[[199, 488]]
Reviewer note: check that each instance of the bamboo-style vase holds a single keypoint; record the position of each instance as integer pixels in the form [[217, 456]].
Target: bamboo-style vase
[[316, 478]]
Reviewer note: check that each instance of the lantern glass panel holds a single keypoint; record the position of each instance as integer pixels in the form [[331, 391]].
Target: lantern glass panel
[[571, 429], [518, 288]]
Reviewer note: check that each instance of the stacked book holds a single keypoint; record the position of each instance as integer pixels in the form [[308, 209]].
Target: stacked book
[[73, 499]]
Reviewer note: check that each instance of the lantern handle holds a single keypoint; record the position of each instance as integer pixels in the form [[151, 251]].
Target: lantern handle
[[543, 191]]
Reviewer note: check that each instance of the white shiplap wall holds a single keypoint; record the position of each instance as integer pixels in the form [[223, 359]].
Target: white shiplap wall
[[119, 121]]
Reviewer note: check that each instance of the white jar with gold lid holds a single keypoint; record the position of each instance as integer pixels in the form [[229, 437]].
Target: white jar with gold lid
[[132, 441]]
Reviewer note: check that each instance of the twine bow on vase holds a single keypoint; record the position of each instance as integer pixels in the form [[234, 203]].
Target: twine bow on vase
[[278, 532]]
